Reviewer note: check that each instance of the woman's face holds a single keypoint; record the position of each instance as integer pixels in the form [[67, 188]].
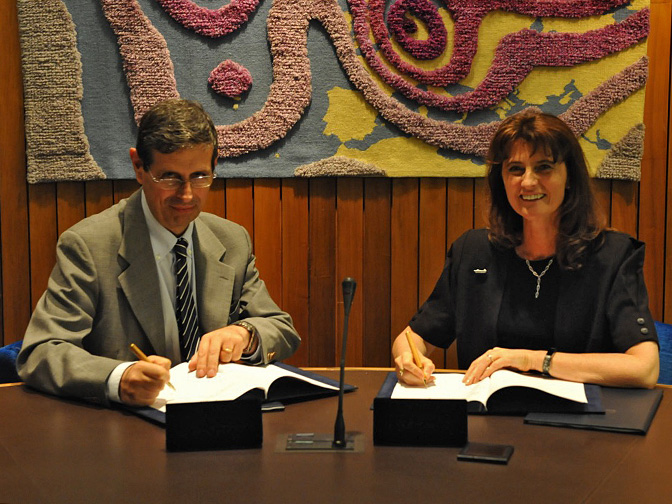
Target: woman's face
[[535, 185]]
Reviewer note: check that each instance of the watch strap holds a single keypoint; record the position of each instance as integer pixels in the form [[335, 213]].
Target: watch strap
[[253, 335], [546, 366]]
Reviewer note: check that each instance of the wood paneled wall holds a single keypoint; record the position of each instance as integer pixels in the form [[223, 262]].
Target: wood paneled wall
[[390, 235]]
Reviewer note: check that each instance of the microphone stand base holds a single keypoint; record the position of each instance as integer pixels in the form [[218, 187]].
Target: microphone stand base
[[314, 442]]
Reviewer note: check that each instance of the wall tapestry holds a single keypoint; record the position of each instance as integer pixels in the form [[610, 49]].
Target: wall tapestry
[[306, 88]]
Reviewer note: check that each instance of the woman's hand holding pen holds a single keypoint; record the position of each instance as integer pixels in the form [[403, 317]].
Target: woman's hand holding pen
[[412, 367]]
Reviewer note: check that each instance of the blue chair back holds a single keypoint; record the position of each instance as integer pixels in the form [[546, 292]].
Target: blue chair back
[[8, 355], [665, 343]]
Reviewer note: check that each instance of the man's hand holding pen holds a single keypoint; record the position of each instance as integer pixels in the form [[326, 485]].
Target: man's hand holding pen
[[141, 383]]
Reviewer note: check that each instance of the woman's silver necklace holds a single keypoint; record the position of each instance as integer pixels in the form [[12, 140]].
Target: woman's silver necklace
[[538, 275]]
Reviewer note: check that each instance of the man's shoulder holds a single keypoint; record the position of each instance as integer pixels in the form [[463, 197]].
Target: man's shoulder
[[222, 227], [215, 222], [108, 221]]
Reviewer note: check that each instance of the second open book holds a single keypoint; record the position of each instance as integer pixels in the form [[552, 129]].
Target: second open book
[[506, 391]]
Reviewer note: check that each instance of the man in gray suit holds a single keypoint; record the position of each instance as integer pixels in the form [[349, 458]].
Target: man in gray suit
[[115, 280]]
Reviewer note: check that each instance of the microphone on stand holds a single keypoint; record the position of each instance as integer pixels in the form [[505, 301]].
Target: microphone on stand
[[349, 286], [309, 441]]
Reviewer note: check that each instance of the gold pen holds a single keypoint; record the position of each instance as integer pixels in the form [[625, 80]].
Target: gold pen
[[416, 355], [141, 355]]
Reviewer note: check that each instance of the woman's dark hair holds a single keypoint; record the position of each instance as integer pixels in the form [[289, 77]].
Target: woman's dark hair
[[174, 124], [580, 222]]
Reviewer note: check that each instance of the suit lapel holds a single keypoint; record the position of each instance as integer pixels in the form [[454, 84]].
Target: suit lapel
[[214, 279], [141, 287]]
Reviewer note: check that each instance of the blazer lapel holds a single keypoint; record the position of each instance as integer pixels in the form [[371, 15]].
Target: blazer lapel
[[140, 279], [214, 279]]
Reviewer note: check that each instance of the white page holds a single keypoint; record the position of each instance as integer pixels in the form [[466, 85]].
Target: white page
[[569, 390], [231, 381], [445, 386], [450, 386]]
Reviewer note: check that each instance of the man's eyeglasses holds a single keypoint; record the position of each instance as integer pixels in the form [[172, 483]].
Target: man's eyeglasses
[[172, 183]]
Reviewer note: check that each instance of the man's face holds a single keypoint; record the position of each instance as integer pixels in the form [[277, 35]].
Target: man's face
[[175, 208]]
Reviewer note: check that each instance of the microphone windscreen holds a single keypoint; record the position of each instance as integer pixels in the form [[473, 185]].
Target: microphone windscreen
[[349, 286]]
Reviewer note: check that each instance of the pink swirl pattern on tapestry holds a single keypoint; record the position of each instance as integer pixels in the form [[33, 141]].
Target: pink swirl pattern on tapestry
[[467, 15], [511, 64], [401, 26], [210, 22]]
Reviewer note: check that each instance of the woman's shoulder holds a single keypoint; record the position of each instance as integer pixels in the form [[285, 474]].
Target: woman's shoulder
[[617, 247], [473, 238], [474, 243], [617, 240]]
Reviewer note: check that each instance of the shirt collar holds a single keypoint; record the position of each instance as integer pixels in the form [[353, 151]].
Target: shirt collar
[[163, 240]]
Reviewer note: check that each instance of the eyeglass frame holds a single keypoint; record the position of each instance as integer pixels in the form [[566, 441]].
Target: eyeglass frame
[[162, 181]]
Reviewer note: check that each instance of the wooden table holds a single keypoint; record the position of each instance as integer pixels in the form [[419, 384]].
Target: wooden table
[[54, 450]]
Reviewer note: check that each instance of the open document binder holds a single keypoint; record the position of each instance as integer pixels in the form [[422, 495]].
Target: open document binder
[[273, 385]]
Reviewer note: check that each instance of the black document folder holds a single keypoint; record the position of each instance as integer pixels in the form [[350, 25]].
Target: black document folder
[[626, 410]]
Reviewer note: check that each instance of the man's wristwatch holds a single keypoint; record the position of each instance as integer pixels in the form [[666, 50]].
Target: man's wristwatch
[[546, 366], [251, 346]]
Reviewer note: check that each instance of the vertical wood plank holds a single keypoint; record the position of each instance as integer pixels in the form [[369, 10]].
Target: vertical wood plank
[[624, 197], [14, 235], [71, 204], [481, 203], [349, 233], [322, 259], [654, 162], [667, 294], [375, 289], [268, 235], [295, 287], [216, 203], [43, 237], [124, 188], [459, 219], [99, 196], [459, 208], [602, 190], [432, 241], [432, 234], [404, 238], [240, 203]]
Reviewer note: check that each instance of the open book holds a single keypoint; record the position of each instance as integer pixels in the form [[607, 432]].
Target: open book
[[279, 382], [508, 392]]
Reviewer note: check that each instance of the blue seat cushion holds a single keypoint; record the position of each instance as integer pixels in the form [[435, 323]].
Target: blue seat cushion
[[8, 355], [665, 341]]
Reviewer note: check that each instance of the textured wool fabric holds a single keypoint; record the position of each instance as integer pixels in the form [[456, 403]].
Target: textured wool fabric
[[332, 87]]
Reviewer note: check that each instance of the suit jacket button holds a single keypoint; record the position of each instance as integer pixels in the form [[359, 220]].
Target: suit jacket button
[[644, 330], [640, 321]]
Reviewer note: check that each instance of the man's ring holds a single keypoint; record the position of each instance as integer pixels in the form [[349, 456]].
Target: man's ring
[[490, 357], [228, 350], [401, 372]]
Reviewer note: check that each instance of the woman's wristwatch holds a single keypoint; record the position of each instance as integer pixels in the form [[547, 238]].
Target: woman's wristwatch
[[546, 366]]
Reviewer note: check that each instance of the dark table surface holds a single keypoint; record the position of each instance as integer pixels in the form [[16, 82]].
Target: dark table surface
[[56, 450]]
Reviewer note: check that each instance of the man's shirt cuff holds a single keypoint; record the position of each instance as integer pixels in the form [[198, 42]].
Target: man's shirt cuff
[[114, 380]]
